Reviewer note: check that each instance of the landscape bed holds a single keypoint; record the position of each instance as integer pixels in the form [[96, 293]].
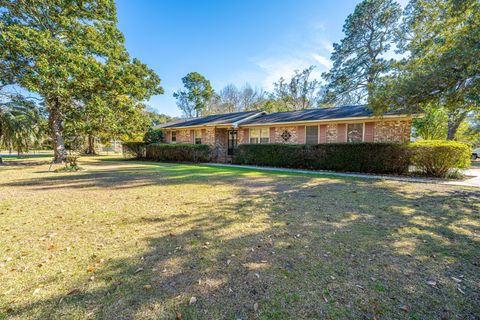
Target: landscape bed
[[145, 240]]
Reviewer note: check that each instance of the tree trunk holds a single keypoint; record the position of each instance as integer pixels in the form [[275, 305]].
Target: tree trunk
[[454, 120], [91, 145], [55, 122]]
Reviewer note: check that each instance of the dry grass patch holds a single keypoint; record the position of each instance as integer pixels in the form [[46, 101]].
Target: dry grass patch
[[138, 240]]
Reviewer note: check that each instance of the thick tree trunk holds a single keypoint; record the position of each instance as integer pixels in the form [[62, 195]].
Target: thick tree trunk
[[55, 122], [454, 120], [91, 144]]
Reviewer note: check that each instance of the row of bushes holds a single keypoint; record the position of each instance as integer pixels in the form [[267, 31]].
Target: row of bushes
[[357, 157], [167, 152], [432, 158], [178, 152]]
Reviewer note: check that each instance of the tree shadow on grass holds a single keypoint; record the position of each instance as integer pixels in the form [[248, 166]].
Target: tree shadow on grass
[[284, 247]]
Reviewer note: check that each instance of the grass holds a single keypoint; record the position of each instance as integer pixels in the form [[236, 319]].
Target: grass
[[138, 240]]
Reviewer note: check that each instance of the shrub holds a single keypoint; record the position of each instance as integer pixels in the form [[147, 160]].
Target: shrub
[[438, 158], [134, 148], [178, 152], [154, 136], [354, 157]]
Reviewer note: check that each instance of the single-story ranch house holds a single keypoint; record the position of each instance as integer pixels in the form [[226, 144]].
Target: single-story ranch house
[[223, 132]]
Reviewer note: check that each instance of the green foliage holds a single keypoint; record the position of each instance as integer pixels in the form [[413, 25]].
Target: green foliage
[[297, 94], [134, 149], [154, 118], [357, 59], [21, 123], [154, 136], [355, 157], [438, 158], [178, 152], [72, 54], [441, 40], [433, 125], [198, 91]]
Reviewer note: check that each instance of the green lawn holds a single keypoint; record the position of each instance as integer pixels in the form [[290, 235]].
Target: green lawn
[[124, 239]]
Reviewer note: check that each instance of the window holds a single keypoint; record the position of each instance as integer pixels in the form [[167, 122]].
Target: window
[[174, 137], [198, 136], [260, 135], [311, 135], [264, 135], [355, 132]]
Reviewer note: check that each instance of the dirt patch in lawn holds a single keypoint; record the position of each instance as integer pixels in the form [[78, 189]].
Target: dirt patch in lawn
[[123, 240]]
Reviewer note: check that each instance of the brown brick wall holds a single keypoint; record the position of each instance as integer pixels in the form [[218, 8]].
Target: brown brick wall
[[301, 134], [208, 136], [369, 131], [341, 132], [219, 150], [392, 131], [331, 133], [184, 136], [290, 129], [323, 133], [242, 136]]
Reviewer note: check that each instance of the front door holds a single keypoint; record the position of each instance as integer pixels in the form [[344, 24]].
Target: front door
[[232, 141]]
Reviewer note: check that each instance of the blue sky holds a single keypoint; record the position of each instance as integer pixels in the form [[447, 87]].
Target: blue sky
[[230, 41]]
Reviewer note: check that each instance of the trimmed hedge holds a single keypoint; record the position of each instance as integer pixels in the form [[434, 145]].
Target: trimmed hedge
[[438, 158], [134, 148], [353, 157], [178, 152]]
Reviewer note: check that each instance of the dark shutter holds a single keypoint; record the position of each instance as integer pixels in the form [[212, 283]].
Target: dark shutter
[[311, 135]]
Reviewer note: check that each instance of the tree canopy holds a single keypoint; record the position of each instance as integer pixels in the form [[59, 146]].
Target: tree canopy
[[194, 98], [358, 60], [441, 40], [72, 54]]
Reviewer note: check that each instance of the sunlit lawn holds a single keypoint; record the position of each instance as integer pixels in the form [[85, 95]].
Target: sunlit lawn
[[123, 240]]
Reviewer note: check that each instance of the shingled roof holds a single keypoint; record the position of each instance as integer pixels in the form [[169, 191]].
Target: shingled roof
[[214, 119], [261, 117], [356, 111]]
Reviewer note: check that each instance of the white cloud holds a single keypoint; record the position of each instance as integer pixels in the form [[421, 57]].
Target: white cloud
[[322, 60], [296, 52]]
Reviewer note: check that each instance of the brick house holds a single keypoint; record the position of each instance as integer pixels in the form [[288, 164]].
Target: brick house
[[347, 124]]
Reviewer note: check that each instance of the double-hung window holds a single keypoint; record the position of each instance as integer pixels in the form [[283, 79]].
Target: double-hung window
[[261, 135], [198, 136], [355, 132], [174, 136]]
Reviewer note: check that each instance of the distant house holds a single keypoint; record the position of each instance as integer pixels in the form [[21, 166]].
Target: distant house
[[223, 132]]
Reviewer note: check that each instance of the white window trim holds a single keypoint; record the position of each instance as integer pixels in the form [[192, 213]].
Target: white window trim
[[195, 136], [171, 134], [259, 134]]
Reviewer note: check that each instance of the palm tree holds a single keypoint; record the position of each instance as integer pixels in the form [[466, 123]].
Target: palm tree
[[20, 125]]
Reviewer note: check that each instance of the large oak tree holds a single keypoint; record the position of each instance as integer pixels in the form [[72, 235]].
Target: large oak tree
[[71, 53]]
